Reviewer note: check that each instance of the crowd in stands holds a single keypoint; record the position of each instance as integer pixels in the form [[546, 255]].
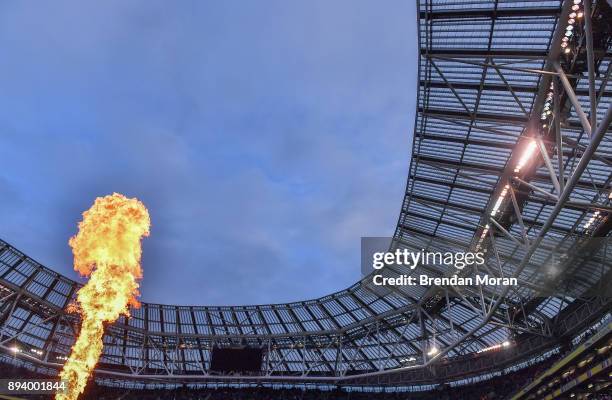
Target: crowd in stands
[[486, 391]]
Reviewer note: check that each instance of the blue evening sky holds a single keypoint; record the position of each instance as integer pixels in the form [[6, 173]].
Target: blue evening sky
[[265, 137]]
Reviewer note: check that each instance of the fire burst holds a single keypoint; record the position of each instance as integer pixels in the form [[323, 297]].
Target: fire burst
[[107, 248]]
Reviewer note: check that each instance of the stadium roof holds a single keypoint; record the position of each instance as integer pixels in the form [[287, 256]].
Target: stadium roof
[[502, 109]]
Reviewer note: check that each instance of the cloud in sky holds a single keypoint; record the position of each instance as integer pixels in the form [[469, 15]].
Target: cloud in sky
[[265, 137]]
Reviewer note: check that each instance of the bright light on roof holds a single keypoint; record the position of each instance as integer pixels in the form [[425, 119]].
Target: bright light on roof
[[500, 199], [433, 351], [482, 236], [526, 156], [591, 220], [15, 349], [506, 343], [484, 231]]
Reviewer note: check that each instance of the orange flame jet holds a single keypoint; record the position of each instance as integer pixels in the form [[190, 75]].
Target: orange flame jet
[[107, 248]]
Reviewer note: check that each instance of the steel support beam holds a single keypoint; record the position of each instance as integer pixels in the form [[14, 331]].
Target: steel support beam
[[588, 27], [569, 90]]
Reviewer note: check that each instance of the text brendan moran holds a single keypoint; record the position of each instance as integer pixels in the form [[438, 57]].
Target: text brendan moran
[[425, 280]]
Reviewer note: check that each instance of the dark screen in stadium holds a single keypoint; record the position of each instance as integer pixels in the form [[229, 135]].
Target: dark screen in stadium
[[236, 360]]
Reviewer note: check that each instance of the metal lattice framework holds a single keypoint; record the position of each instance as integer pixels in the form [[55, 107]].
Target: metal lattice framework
[[511, 154]]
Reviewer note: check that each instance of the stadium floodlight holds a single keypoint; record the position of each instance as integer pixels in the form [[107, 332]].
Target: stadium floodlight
[[591, 220], [36, 351], [433, 351], [505, 343], [500, 199], [526, 156], [15, 349], [482, 236]]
